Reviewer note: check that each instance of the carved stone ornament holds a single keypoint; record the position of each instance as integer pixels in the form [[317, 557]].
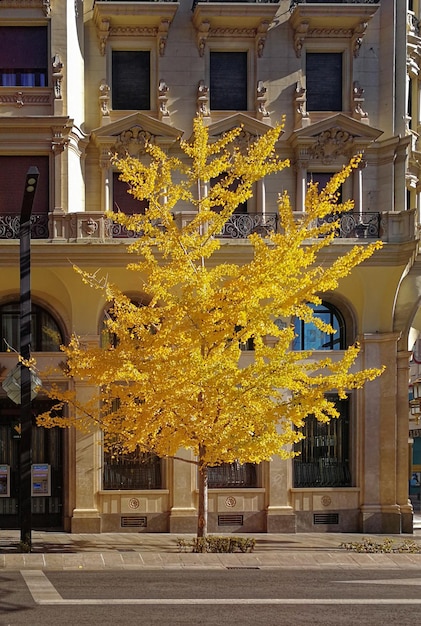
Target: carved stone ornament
[[261, 98], [331, 144], [132, 141], [202, 99], [104, 98], [57, 67]]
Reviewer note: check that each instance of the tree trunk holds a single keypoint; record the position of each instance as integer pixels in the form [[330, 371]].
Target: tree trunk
[[202, 517]]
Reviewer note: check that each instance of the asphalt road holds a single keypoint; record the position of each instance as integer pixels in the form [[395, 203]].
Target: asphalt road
[[209, 597]]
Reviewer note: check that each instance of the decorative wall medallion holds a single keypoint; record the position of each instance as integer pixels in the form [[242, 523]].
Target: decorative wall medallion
[[134, 503], [326, 500], [230, 502]]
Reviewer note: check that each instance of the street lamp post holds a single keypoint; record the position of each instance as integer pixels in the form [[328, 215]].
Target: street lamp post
[[25, 491]]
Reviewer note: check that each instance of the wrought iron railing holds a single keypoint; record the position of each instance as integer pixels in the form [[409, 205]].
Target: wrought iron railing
[[364, 225], [232, 476], [10, 226], [241, 225], [127, 475], [324, 473]]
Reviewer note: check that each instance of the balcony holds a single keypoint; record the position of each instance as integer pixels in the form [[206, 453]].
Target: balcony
[[95, 227]]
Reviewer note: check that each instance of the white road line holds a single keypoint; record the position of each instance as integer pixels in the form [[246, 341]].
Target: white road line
[[44, 593], [408, 582], [40, 587]]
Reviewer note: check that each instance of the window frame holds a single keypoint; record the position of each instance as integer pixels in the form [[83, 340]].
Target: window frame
[[47, 68], [338, 339], [38, 311], [332, 47], [246, 47], [144, 45], [328, 471]]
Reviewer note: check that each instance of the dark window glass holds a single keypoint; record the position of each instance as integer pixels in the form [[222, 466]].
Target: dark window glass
[[124, 201], [324, 452], [135, 470], [324, 81], [309, 337], [46, 334], [13, 170], [131, 79], [322, 178], [232, 475], [228, 81], [23, 56]]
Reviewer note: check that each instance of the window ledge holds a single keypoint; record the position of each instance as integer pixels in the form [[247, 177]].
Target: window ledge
[[19, 97]]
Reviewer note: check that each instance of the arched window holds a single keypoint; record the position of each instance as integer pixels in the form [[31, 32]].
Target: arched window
[[309, 337], [46, 334]]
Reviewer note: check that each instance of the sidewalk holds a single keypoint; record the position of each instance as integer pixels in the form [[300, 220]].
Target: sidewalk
[[63, 551]]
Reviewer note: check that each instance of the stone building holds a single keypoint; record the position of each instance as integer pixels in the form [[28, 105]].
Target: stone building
[[80, 81]]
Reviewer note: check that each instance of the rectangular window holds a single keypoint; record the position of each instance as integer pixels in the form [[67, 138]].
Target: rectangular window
[[135, 470], [23, 56], [232, 476], [324, 452], [124, 201], [13, 170], [228, 81], [324, 81], [131, 77]]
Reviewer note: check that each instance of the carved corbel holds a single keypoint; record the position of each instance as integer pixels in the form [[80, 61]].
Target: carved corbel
[[57, 73], [261, 91], [162, 36], [357, 38], [202, 99], [103, 34], [46, 7], [58, 142], [163, 90], [261, 37], [104, 98], [357, 102], [202, 36], [302, 117], [299, 37]]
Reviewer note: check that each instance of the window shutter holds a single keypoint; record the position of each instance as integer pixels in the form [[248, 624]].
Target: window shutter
[[13, 170], [324, 81], [131, 80], [228, 81]]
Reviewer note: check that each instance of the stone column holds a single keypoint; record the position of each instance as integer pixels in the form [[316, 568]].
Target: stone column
[[280, 513], [301, 187], [183, 482], [86, 516], [380, 511], [402, 444]]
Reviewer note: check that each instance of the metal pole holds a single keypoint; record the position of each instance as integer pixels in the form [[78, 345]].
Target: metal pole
[[25, 491]]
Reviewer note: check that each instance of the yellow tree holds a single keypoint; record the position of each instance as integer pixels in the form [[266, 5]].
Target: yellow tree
[[172, 376]]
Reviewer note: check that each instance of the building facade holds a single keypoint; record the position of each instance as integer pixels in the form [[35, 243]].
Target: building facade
[[80, 82]]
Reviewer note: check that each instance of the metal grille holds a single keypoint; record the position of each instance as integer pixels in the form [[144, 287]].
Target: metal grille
[[326, 518], [134, 522], [230, 520]]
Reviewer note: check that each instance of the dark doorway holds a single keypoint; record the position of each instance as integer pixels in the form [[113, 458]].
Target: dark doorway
[[47, 450]]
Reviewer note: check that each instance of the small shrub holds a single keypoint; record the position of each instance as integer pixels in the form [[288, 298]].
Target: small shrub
[[386, 546], [217, 544]]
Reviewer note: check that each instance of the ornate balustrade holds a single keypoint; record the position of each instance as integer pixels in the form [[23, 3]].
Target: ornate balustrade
[[95, 227], [357, 225], [241, 225], [10, 226]]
